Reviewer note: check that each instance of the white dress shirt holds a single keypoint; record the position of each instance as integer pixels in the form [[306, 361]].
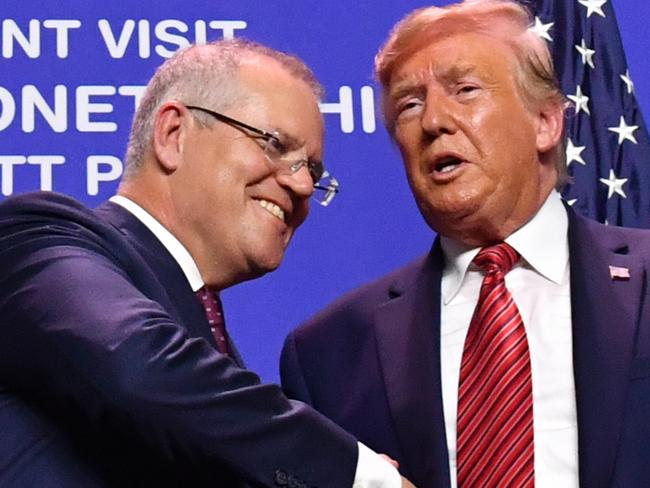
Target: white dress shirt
[[372, 470], [539, 284]]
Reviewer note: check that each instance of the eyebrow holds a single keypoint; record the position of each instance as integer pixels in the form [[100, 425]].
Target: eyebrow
[[455, 72], [404, 87], [292, 142], [417, 80], [287, 139]]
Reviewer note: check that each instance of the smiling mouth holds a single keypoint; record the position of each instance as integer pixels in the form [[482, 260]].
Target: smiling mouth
[[272, 208], [447, 164]]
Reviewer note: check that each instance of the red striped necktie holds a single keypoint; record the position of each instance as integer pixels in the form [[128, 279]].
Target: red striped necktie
[[214, 313], [495, 395]]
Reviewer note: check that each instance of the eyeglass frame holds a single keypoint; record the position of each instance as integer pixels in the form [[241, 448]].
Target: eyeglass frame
[[315, 169]]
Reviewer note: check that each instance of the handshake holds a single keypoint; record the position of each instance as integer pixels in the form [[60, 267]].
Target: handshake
[[405, 483]]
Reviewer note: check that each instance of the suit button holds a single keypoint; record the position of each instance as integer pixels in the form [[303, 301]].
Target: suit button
[[281, 478], [294, 483]]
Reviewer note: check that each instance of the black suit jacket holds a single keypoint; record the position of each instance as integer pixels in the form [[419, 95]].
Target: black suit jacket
[[371, 361], [109, 377]]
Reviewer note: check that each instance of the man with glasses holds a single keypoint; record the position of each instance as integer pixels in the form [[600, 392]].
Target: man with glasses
[[115, 365]]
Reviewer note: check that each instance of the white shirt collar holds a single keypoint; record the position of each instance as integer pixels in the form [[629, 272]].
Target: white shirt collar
[[180, 254], [542, 243]]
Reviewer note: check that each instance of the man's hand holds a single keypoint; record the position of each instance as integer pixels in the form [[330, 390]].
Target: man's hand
[[406, 483], [390, 460]]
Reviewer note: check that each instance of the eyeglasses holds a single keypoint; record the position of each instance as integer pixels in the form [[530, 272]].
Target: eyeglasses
[[325, 185]]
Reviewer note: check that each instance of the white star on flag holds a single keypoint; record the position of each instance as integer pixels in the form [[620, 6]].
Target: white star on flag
[[586, 54], [628, 81], [573, 153], [614, 184], [595, 80], [571, 202], [542, 29], [624, 131], [580, 101], [593, 6]]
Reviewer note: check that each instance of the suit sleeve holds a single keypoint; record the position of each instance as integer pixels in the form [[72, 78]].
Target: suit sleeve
[[77, 334]]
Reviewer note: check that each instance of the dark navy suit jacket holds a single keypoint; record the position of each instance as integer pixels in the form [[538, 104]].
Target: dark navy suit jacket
[[371, 361], [109, 377]]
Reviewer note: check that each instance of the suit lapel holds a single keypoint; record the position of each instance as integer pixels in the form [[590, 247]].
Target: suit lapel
[[232, 347], [605, 318], [408, 340], [173, 291]]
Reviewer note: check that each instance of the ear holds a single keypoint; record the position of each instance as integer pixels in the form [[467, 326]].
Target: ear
[[169, 132], [550, 126]]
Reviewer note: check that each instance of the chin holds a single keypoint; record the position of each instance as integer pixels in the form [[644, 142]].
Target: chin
[[466, 223], [450, 212], [261, 265]]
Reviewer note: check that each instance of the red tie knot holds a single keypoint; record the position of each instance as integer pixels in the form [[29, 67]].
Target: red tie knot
[[210, 300], [500, 257]]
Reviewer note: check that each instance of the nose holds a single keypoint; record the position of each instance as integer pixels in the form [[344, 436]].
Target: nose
[[437, 116], [300, 183]]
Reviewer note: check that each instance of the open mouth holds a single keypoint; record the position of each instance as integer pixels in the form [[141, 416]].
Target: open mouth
[[447, 164], [272, 208]]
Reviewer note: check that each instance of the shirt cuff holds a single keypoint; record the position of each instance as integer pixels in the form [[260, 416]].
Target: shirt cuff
[[373, 471]]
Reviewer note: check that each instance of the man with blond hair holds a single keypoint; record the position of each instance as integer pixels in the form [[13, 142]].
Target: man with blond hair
[[517, 351], [115, 366]]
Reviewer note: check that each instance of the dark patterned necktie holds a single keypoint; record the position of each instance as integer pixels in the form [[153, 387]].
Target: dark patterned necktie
[[214, 313], [495, 396]]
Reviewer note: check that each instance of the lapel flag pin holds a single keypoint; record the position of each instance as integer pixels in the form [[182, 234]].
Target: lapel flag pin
[[619, 273]]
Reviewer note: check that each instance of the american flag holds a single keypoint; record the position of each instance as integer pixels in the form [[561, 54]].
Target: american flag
[[607, 146]]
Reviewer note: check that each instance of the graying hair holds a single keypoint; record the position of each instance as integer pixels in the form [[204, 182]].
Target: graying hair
[[202, 75]]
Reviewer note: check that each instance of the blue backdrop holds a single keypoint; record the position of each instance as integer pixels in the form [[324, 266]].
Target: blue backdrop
[[70, 74]]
